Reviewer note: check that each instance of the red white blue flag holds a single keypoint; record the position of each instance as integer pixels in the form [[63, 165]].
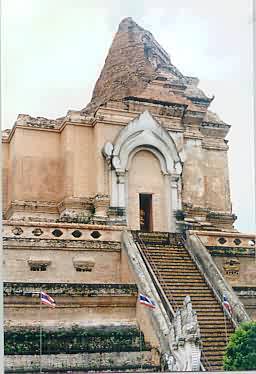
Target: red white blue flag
[[226, 304], [146, 301], [47, 300]]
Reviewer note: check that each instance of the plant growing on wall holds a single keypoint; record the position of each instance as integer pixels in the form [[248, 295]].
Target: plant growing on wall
[[241, 350]]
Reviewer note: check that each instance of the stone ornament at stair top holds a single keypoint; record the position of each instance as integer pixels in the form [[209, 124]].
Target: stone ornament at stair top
[[185, 338]]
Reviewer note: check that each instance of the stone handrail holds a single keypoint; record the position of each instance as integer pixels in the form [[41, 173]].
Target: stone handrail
[[218, 283], [159, 318]]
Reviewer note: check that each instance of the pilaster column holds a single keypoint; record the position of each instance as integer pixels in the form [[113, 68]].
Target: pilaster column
[[174, 180], [121, 177]]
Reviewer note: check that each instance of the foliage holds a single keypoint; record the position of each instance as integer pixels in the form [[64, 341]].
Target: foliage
[[241, 350], [25, 341]]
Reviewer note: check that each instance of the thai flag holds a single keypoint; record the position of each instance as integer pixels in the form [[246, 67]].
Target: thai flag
[[46, 299], [146, 301], [226, 304]]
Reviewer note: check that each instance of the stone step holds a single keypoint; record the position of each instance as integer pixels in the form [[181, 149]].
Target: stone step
[[205, 318], [192, 286], [195, 304], [178, 269], [217, 356], [168, 255], [207, 331], [168, 261], [205, 301], [212, 348], [195, 298], [201, 310], [169, 264], [200, 316], [217, 340], [188, 292], [191, 290], [184, 276], [185, 287], [165, 248], [179, 250], [174, 270], [167, 251]]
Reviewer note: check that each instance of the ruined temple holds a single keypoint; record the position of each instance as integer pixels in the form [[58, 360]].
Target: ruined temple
[[128, 196]]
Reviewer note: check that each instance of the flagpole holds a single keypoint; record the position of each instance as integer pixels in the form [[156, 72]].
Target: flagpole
[[140, 350], [225, 322], [40, 334]]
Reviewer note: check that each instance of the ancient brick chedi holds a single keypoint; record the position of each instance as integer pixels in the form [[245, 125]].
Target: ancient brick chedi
[[146, 154], [142, 108]]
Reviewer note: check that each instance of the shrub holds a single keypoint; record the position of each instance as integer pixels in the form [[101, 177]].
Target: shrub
[[241, 350]]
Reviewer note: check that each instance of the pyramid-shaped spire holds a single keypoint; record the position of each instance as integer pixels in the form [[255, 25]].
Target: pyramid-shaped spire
[[134, 61], [131, 64]]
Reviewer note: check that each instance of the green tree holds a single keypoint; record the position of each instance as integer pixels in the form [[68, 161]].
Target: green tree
[[241, 350]]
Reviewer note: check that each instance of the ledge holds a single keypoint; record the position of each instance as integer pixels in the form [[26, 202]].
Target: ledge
[[69, 289], [245, 291], [63, 225], [61, 244]]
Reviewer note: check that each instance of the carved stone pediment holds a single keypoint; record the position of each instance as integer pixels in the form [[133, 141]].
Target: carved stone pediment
[[83, 263]]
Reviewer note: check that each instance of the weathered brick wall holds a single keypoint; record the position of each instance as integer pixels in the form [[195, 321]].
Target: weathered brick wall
[[76, 303], [36, 168], [127, 68]]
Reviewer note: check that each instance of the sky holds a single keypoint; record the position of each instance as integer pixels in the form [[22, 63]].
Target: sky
[[53, 52]]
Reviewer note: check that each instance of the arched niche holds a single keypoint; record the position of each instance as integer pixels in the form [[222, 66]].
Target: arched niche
[[144, 133]]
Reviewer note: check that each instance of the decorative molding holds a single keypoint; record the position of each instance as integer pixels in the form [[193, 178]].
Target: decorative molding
[[70, 289], [226, 251], [231, 268], [61, 244], [82, 263], [144, 133]]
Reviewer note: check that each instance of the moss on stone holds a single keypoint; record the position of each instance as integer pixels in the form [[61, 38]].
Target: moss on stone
[[24, 341]]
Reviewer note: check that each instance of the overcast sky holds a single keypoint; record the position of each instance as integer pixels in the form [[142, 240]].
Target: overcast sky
[[53, 52]]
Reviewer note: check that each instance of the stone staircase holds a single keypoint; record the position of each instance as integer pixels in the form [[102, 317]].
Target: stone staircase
[[179, 276]]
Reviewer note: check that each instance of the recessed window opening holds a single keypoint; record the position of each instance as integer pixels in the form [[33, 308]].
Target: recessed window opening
[[38, 267], [146, 212], [82, 269]]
